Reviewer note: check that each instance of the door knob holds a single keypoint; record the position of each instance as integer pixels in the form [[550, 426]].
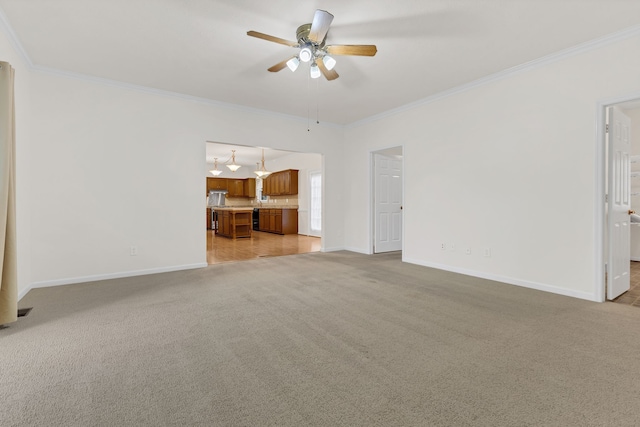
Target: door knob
[[631, 212]]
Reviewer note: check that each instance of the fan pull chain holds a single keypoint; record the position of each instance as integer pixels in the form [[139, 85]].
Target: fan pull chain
[[317, 101], [308, 98]]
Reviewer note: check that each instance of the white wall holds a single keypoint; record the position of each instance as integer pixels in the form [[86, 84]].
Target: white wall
[[117, 167], [509, 165]]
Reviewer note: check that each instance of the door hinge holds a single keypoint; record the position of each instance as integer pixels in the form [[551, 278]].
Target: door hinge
[[606, 198], [606, 128]]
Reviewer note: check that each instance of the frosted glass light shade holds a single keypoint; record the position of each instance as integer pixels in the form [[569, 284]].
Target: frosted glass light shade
[[329, 62], [293, 63], [305, 54], [315, 71], [233, 167], [215, 172]]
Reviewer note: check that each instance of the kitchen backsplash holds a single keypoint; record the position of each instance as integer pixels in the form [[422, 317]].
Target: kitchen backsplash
[[273, 200]]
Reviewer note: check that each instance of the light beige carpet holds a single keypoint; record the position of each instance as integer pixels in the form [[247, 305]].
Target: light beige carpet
[[335, 339]]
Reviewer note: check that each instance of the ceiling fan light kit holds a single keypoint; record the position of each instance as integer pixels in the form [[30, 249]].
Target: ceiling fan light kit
[[311, 42]]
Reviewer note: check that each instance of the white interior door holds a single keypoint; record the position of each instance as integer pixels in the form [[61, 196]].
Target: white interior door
[[619, 203], [388, 203]]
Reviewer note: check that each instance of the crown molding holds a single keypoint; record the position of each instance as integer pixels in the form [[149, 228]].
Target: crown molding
[[509, 72], [174, 95], [13, 38]]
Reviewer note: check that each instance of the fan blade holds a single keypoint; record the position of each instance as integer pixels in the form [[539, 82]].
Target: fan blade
[[328, 74], [352, 49], [320, 25], [280, 65], [272, 38]]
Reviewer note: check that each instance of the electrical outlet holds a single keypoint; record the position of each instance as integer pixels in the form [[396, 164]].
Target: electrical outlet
[[486, 252], [443, 246], [467, 251], [133, 251]]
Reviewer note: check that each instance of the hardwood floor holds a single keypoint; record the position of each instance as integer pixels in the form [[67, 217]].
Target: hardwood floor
[[632, 296], [221, 249]]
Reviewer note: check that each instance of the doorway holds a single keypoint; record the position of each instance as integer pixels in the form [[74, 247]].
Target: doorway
[[247, 194], [620, 152], [387, 191]]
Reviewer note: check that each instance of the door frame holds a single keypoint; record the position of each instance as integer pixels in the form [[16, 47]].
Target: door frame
[[372, 193], [601, 191]]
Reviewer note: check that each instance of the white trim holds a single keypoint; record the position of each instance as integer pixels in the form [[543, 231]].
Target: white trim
[[13, 38], [508, 280], [358, 250], [334, 249], [599, 216], [175, 95], [24, 292], [635, 259], [500, 75], [120, 275]]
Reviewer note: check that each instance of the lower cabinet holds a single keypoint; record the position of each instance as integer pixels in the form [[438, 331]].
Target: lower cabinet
[[279, 221], [208, 219]]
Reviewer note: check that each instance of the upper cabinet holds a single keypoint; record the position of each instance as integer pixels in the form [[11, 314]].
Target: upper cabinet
[[250, 187], [235, 187], [282, 183], [216, 184]]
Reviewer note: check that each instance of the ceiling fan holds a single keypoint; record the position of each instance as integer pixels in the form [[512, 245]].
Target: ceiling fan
[[311, 44]]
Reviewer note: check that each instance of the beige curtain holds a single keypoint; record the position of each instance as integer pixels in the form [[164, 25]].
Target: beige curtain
[[8, 262]]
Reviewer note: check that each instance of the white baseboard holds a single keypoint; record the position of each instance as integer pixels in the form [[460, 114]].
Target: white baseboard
[[635, 259], [509, 280], [23, 292], [119, 275], [334, 249], [358, 250]]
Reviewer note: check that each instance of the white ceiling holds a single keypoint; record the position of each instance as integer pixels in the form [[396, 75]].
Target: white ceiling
[[200, 47]]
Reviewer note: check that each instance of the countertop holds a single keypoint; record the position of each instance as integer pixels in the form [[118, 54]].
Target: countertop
[[232, 208], [251, 207]]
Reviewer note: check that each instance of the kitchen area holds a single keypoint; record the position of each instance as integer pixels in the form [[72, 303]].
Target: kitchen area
[[272, 213]]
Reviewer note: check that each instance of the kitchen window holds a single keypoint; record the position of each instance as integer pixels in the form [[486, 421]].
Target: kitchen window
[[315, 208]]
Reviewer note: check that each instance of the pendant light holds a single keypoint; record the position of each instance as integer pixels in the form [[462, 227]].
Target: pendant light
[[262, 173], [233, 165], [215, 171]]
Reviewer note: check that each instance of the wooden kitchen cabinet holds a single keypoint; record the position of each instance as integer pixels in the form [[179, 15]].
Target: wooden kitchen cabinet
[[216, 184], [235, 187], [263, 219], [279, 221], [208, 219], [250, 188], [282, 183]]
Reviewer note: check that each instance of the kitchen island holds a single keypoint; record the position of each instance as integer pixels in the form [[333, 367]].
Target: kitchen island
[[234, 222]]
